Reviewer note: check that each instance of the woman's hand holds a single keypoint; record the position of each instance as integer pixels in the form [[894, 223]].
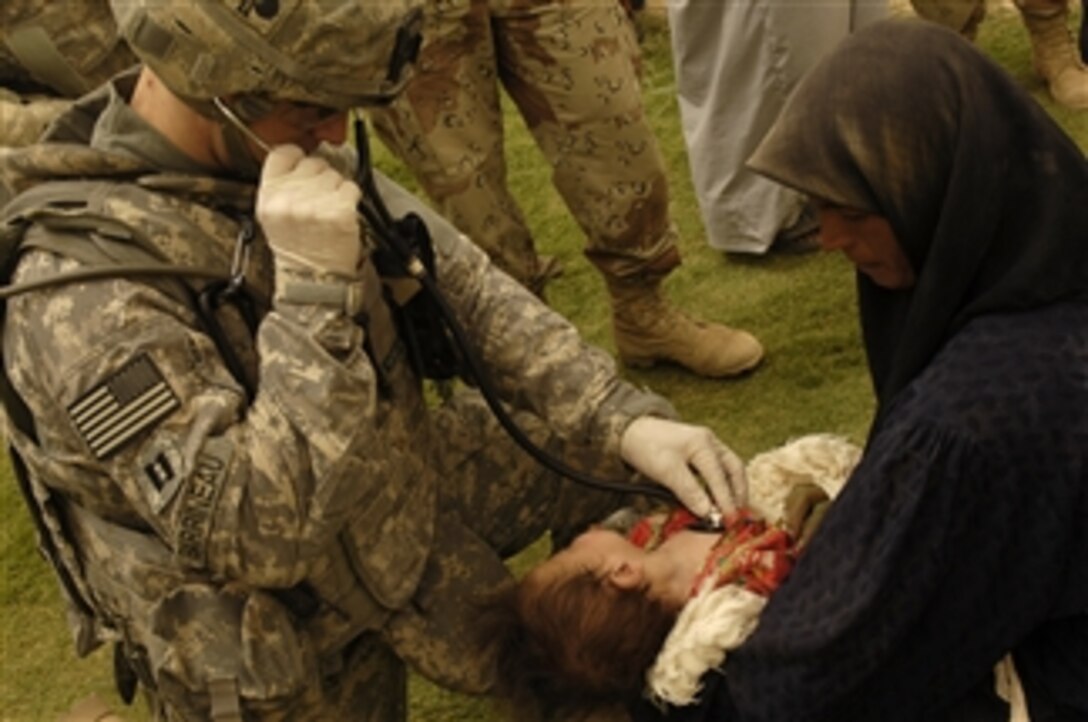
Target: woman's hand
[[805, 509]]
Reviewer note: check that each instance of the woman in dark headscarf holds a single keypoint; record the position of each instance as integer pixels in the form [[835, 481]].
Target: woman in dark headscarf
[[963, 533]]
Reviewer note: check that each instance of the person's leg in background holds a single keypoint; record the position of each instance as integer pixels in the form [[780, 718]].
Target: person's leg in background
[[1054, 50], [571, 68], [447, 129], [736, 64], [723, 55], [962, 16]]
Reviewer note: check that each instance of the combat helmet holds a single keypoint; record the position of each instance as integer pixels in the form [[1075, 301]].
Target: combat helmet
[[332, 53]]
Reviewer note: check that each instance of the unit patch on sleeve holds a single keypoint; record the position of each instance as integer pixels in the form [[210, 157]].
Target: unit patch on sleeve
[[122, 406]]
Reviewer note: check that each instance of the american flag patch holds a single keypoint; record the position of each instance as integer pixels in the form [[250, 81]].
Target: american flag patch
[[127, 403]]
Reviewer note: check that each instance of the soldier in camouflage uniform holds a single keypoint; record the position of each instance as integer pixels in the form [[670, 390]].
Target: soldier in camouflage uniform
[[1055, 51], [52, 52], [571, 69], [253, 501]]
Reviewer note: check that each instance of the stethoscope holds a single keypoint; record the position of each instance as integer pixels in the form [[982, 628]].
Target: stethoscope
[[391, 240]]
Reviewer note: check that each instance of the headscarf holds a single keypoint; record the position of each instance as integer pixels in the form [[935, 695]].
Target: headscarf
[[985, 193]]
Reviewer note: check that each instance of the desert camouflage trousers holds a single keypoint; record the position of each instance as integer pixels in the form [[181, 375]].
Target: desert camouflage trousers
[[495, 502], [571, 68]]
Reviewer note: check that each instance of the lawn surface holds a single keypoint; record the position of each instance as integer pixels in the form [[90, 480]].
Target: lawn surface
[[802, 308]]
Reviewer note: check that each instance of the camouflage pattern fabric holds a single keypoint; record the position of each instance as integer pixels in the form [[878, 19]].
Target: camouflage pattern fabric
[[336, 53], [26, 117], [483, 518], [572, 69], [80, 36], [309, 527], [51, 51]]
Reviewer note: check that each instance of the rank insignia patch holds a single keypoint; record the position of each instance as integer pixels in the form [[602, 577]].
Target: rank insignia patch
[[161, 469], [122, 406]]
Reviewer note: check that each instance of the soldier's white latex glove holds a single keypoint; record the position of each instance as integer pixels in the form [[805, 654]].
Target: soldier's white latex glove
[[670, 452], [308, 212]]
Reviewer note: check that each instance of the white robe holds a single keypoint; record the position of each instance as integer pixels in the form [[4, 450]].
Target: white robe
[[736, 62]]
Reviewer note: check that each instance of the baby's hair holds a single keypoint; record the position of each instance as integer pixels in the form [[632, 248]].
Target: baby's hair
[[572, 643]]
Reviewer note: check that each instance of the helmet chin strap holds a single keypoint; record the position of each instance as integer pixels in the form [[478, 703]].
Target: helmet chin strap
[[235, 134]]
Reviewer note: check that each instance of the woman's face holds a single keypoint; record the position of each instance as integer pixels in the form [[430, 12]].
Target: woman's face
[[869, 242]]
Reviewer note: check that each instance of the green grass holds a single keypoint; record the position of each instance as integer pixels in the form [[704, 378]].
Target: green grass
[[801, 307]]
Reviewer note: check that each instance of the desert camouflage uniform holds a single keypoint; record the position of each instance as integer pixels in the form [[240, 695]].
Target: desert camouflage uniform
[[52, 52], [571, 68], [290, 551]]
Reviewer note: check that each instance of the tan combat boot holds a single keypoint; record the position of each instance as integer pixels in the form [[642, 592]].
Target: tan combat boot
[[90, 709], [1057, 58], [647, 329]]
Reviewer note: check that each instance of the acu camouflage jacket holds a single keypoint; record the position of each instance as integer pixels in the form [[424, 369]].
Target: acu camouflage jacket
[[157, 476]]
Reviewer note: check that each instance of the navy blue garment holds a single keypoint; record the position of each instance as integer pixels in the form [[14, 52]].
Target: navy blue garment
[[962, 535]]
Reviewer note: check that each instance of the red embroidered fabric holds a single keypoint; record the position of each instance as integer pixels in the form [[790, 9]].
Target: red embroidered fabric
[[651, 532], [750, 552]]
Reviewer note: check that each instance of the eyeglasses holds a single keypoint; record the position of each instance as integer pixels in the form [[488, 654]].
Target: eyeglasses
[[303, 116], [240, 125]]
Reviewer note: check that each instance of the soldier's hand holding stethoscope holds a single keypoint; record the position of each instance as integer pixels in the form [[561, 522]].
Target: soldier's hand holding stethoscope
[[672, 453]]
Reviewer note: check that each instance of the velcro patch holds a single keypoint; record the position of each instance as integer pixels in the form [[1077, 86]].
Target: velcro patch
[[161, 469], [122, 406]]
